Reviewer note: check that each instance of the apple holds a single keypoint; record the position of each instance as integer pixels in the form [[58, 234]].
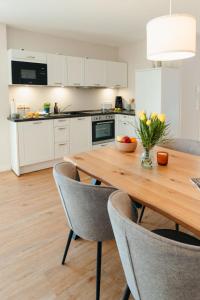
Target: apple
[[126, 139]]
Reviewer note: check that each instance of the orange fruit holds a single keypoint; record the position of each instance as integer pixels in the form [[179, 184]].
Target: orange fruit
[[133, 140]]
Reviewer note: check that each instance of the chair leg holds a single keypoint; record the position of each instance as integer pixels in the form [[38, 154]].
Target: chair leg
[[67, 246], [75, 237], [98, 270], [177, 227], [141, 215], [127, 293]]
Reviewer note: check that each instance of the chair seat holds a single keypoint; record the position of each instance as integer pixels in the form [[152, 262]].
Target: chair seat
[[178, 236]]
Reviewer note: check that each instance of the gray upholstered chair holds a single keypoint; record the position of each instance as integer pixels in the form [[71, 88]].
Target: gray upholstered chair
[[182, 145], [85, 207], [156, 268]]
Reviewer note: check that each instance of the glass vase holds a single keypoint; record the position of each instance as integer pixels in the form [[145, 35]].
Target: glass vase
[[147, 159]]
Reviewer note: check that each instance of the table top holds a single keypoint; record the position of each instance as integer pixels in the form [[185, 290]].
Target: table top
[[165, 189]]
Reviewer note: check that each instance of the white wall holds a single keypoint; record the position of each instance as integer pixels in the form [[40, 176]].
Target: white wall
[[46, 43], [4, 107], [77, 98], [135, 55]]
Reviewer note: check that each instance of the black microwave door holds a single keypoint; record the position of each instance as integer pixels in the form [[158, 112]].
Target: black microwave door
[[29, 73]]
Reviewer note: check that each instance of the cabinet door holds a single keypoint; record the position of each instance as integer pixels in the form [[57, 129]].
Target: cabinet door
[[61, 149], [75, 71], [37, 142], [116, 74], [95, 72], [125, 126], [57, 70], [80, 134]]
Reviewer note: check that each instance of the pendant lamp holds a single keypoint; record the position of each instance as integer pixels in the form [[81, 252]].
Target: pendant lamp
[[171, 37]]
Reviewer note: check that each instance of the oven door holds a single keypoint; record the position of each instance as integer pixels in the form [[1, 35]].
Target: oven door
[[29, 73], [103, 131]]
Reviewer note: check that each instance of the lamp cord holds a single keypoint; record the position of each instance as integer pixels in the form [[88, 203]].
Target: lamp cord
[[170, 7]]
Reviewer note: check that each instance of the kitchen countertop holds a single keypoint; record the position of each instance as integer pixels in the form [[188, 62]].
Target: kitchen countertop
[[74, 114]]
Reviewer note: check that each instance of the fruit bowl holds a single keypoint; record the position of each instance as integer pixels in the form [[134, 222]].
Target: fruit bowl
[[129, 145]]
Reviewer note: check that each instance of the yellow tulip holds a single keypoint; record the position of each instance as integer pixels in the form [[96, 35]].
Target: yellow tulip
[[154, 115], [148, 122], [140, 113], [162, 118], [142, 117]]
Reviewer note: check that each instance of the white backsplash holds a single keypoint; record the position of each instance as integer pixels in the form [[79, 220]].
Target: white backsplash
[[77, 98]]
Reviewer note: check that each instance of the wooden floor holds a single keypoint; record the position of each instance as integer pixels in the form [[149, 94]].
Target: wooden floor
[[33, 234]]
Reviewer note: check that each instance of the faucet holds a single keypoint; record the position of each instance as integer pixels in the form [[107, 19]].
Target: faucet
[[63, 109]]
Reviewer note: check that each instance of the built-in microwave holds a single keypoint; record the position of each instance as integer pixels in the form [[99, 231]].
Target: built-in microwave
[[29, 73]]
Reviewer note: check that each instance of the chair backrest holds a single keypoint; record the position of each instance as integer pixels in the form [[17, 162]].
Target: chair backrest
[[184, 145], [85, 205], [156, 268]]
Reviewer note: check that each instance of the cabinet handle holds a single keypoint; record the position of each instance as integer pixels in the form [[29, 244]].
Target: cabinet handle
[[61, 120], [30, 57], [117, 85], [35, 123], [61, 128], [62, 144], [58, 83], [81, 119]]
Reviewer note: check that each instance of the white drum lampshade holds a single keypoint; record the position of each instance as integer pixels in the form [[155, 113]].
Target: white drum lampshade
[[171, 37]]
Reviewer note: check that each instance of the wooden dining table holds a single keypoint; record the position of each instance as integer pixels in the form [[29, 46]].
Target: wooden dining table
[[167, 190]]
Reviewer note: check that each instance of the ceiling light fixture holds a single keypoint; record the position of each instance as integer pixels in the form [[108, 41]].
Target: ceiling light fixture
[[171, 37]]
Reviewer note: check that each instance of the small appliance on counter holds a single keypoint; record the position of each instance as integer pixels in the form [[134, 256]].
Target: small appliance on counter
[[106, 106], [119, 102]]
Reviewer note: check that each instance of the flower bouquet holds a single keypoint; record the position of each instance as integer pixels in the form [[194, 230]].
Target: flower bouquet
[[151, 130]]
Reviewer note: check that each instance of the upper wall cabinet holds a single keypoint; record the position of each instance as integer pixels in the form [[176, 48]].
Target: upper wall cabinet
[[66, 70], [116, 74], [57, 70], [75, 71], [27, 56], [95, 72]]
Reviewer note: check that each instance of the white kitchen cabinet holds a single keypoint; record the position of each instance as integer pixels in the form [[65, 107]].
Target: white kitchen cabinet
[[125, 125], [95, 72], [27, 56], [57, 70], [158, 90], [61, 149], [61, 138], [80, 134], [75, 71], [36, 142], [116, 74]]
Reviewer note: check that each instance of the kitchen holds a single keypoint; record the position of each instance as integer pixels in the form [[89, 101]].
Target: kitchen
[[65, 132], [81, 94]]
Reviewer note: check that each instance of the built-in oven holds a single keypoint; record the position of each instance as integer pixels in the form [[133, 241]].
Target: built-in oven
[[103, 129], [29, 73]]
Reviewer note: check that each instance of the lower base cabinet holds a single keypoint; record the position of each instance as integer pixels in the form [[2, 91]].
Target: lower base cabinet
[[39, 144], [125, 125], [61, 149], [80, 135], [36, 142]]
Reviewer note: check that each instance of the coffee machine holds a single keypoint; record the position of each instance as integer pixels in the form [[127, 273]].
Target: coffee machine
[[118, 102]]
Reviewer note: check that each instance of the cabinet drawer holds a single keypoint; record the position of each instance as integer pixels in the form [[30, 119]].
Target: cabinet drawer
[[61, 122], [61, 134], [61, 149]]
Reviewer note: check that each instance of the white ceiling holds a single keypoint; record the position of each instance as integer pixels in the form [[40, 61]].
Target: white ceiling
[[109, 22]]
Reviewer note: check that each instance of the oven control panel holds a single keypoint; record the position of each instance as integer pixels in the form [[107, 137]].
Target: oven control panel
[[103, 118]]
